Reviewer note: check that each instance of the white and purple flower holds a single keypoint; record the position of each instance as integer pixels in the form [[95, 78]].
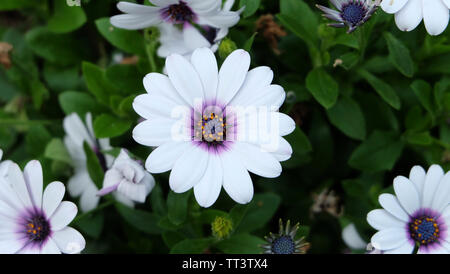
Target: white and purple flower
[[419, 214], [128, 178], [32, 221], [178, 12], [80, 184], [351, 13], [409, 14], [212, 126]]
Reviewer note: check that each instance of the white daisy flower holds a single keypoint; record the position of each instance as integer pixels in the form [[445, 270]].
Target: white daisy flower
[[81, 185], [185, 41], [32, 221], [212, 126], [409, 14], [418, 214], [129, 178], [179, 12]]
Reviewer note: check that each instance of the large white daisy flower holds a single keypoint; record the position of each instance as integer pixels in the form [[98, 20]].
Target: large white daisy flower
[[185, 41], [409, 14], [129, 178], [81, 183], [32, 221], [212, 126], [180, 12], [418, 214]]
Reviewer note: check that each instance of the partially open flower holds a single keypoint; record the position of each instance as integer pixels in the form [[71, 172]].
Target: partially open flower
[[351, 13], [129, 178], [284, 242]]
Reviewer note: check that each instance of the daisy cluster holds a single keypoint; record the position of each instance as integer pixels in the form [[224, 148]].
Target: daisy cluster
[[213, 124]]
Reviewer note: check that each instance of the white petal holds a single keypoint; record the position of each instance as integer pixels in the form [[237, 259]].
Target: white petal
[[410, 16], [224, 19], [133, 191], [135, 21], [406, 248], [407, 194], [283, 151], [256, 80], [164, 3], [159, 84], [194, 39], [393, 6], [435, 16], [63, 215], [389, 238], [154, 132], [432, 180], [163, 157], [208, 188], [380, 219], [352, 238], [78, 182], [112, 177], [205, 64], [14, 178], [128, 7], [258, 161], [53, 195], [34, 180], [50, 247], [184, 78], [417, 176], [188, 169], [236, 180], [442, 196], [69, 240], [204, 6], [11, 246], [232, 75], [391, 204], [447, 2], [89, 199], [154, 106], [77, 131]]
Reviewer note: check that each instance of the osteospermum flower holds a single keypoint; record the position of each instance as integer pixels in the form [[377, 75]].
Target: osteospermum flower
[[81, 184], [409, 14], [129, 178], [418, 214], [179, 12], [185, 41], [284, 242], [32, 221], [211, 127], [351, 13]]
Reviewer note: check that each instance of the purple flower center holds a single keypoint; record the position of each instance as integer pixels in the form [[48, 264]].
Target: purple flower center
[[37, 228], [178, 13], [354, 12], [424, 229], [211, 128], [283, 245]]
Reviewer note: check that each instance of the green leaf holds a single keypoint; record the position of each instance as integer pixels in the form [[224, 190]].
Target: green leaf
[[192, 246], [91, 225], [237, 213], [62, 78], [177, 205], [304, 26], [299, 141], [424, 93], [260, 211], [382, 88], [323, 87], [208, 215], [241, 244], [251, 6], [126, 40], [79, 102], [107, 126], [379, 152], [56, 150], [36, 140], [419, 138], [157, 201], [249, 43], [66, 18], [63, 49], [94, 167], [399, 55], [126, 77], [97, 82], [142, 220], [39, 93], [171, 238], [15, 4], [347, 116]]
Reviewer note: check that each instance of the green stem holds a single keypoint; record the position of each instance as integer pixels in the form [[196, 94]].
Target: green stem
[[151, 41], [99, 208]]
